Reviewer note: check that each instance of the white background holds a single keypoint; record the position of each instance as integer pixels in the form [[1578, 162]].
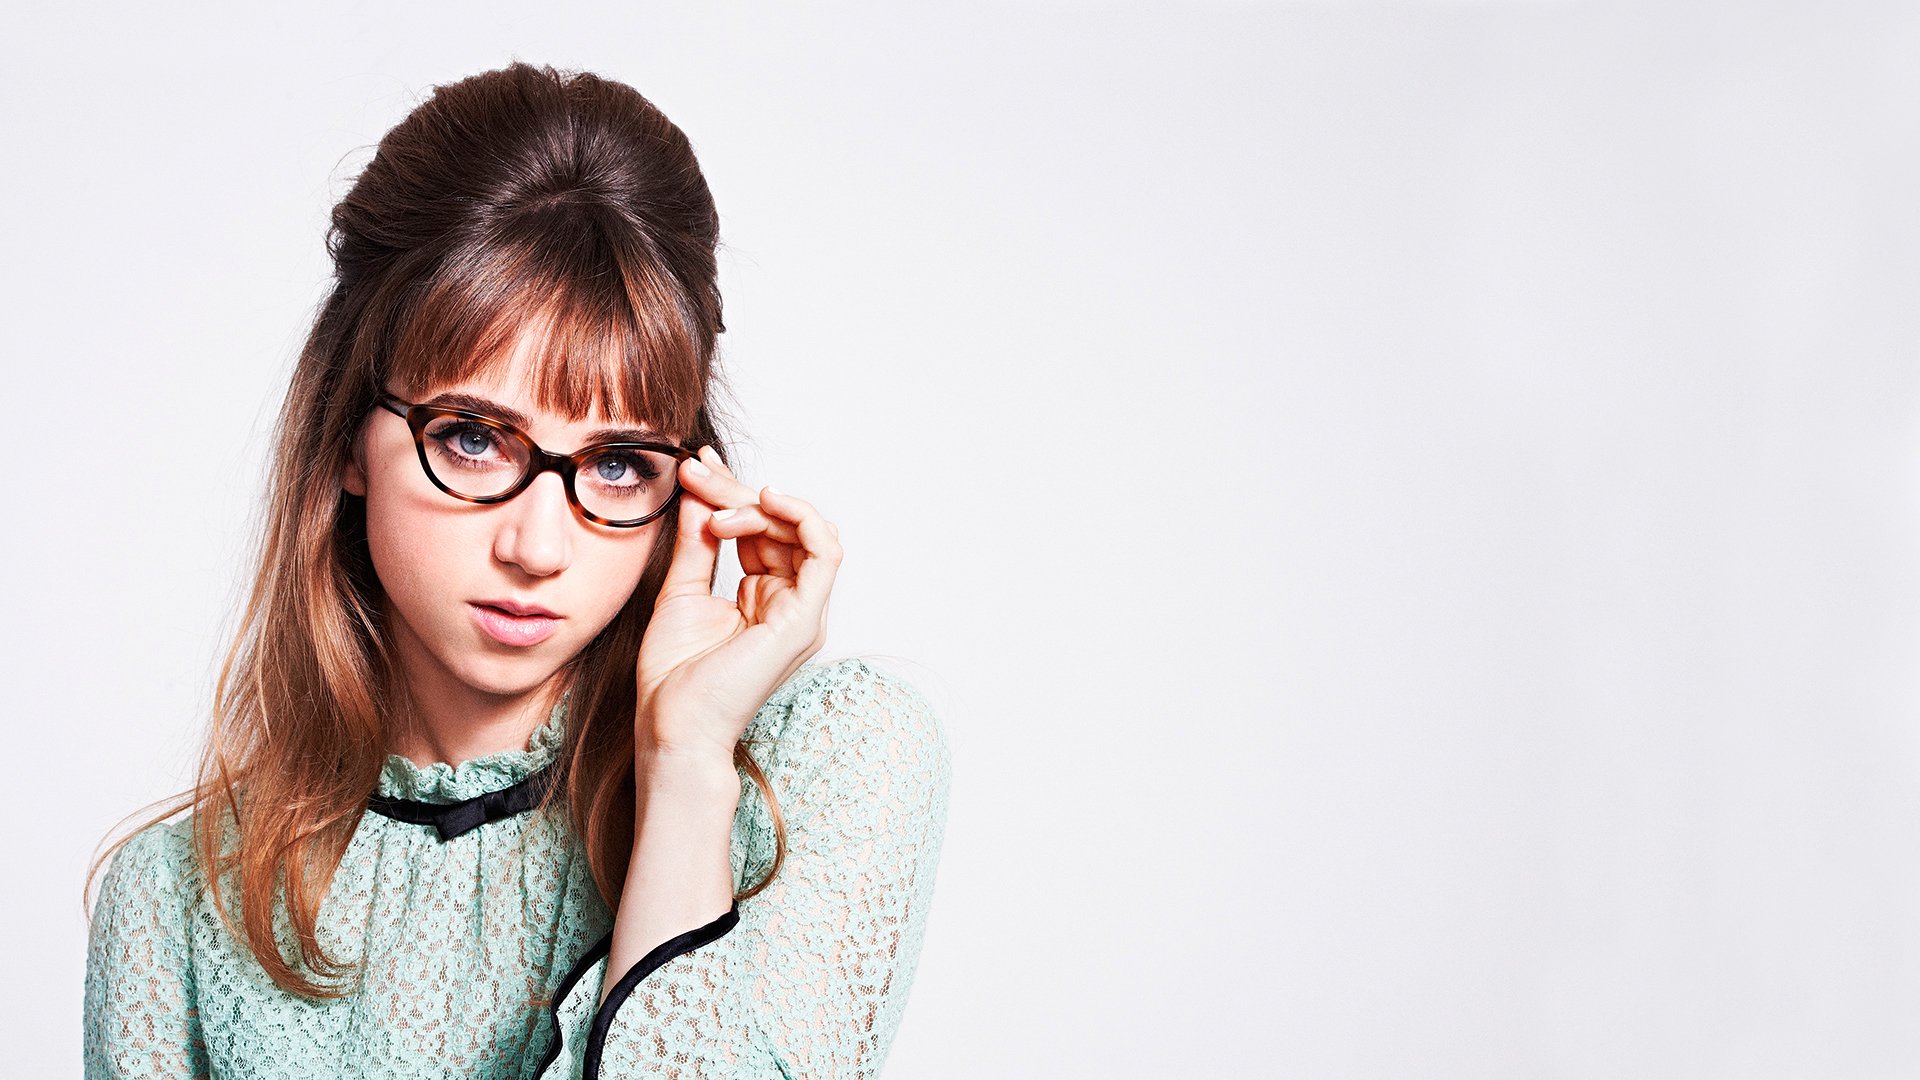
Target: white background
[[1409, 512]]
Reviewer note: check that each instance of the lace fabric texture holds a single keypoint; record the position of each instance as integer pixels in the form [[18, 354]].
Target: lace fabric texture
[[486, 953]]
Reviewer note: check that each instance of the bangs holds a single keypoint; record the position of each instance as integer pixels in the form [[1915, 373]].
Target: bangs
[[609, 328]]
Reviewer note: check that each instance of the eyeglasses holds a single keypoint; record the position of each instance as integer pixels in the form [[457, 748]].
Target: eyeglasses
[[474, 457]]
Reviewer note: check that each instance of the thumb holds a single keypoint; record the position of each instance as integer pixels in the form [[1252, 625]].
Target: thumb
[[696, 551]]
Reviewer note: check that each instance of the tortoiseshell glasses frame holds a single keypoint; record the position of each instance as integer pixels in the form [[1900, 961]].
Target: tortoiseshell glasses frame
[[539, 460]]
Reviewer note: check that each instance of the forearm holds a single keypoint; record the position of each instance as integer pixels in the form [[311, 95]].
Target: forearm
[[681, 873]]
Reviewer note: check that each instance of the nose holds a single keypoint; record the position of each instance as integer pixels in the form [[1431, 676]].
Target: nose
[[536, 528]]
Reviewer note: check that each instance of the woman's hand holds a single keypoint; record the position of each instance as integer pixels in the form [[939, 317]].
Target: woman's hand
[[706, 663]]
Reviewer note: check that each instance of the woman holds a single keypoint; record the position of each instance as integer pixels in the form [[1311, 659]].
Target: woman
[[495, 786]]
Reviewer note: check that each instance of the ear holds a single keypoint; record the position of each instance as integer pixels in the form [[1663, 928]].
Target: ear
[[353, 475]]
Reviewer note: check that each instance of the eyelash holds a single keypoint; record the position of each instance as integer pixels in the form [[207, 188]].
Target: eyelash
[[463, 427]]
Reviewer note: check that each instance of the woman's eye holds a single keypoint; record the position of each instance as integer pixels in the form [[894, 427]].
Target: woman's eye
[[623, 471], [615, 470], [465, 441]]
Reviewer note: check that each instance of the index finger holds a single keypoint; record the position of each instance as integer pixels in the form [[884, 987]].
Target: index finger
[[821, 553], [717, 484]]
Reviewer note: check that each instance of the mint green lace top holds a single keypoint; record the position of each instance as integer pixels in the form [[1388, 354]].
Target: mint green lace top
[[486, 951]]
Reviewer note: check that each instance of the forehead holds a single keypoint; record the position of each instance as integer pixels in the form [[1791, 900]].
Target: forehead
[[539, 382], [514, 379]]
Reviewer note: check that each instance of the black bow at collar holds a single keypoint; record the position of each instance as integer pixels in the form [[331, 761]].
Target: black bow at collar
[[452, 819]]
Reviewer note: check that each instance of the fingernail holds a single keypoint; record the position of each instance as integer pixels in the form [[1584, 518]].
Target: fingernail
[[775, 490], [719, 515], [697, 467]]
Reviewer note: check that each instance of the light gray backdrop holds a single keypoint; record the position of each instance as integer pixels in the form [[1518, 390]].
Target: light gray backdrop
[[1410, 513]]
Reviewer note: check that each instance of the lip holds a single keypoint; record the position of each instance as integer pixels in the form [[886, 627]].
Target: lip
[[517, 630], [514, 607]]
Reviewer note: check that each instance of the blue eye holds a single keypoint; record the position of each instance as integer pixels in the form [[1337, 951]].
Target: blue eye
[[625, 468], [474, 443], [616, 481], [465, 444]]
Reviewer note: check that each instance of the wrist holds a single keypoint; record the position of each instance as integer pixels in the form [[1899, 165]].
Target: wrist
[[677, 744], [704, 775]]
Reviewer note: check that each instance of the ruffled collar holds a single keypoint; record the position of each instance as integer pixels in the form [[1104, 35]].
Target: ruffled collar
[[402, 778]]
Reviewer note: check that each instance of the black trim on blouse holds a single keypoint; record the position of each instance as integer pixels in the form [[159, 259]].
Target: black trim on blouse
[[587, 959], [648, 964], [603, 1016], [452, 819]]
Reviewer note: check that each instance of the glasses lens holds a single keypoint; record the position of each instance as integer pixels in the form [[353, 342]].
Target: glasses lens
[[475, 459], [622, 483]]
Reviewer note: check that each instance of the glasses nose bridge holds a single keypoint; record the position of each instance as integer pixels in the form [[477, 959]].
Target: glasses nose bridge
[[542, 461]]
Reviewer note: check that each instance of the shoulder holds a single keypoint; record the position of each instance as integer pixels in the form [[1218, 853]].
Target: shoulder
[[149, 881], [824, 707], [158, 858], [852, 714]]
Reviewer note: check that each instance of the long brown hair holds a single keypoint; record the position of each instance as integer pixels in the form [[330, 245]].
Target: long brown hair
[[517, 199]]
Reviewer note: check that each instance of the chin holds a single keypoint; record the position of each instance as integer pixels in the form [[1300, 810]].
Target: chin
[[506, 676]]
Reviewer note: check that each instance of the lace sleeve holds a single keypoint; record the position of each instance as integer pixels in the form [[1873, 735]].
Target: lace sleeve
[[139, 1017], [810, 976]]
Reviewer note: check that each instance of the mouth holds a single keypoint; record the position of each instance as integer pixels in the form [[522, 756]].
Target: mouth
[[529, 626], [515, 608]]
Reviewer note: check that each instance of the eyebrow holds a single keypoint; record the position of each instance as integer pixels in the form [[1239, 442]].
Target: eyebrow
[[518, 419]]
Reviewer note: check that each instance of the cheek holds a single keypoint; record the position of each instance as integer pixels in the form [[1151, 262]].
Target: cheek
[[612, 567], [416, 547]]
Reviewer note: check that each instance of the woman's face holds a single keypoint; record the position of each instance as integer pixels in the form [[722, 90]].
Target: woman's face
[[440, 560]]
